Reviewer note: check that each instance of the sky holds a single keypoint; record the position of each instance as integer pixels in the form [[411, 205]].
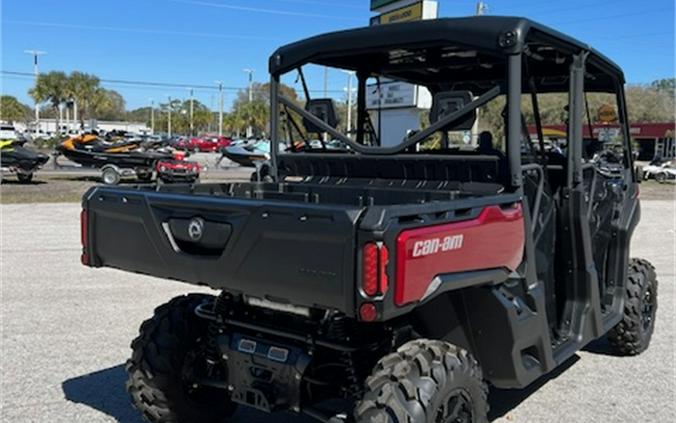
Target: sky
[[197, 42]]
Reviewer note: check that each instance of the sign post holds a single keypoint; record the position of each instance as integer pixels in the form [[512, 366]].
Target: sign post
[[398, 104]]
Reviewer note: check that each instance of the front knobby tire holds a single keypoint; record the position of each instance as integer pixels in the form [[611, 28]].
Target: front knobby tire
[[425, 381], [632, 335], [164, 364]]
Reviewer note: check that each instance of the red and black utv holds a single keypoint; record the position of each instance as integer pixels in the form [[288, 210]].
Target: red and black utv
[[399, 275]]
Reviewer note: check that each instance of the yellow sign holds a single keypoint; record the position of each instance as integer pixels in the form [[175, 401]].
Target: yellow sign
[[606, 114], [410, 13]]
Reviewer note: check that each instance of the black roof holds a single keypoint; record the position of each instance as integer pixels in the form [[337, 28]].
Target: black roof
[[487, 36]]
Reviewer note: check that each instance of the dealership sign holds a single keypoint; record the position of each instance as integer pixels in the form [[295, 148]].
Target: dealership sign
[[413, 12], [395, 95]]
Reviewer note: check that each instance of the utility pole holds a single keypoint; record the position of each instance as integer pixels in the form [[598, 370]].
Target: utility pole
[[36, 71], [169, 118], [349, 101], [481, 8], [191, 113], [249, 129], [220, 111], [251, 73], [152, 116]]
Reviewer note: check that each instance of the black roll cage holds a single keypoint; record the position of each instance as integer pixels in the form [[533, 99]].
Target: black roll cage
[[513, 87]]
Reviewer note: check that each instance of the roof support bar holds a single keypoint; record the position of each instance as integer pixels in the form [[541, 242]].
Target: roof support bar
[[274, 125], [514, 119], [576, 119]]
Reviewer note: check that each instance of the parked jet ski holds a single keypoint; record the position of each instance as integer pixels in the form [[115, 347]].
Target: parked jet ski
[[248, 154], [17, 159], [115, 159], [92, 151], [660, 170]]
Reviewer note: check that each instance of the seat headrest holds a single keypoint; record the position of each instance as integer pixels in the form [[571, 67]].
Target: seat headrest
[[445, 103]]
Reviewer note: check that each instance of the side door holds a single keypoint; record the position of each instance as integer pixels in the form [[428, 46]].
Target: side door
[[611, 193]]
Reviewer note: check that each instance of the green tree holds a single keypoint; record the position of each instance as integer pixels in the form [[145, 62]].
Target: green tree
[[107, 104], [649, 104], [203, 118], [666, 85], [82, 88], [51, 87], [12, 110], [255, 114]]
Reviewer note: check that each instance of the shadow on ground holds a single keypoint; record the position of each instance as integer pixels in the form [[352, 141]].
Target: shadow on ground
[[104, 391], [602, 347], [10, 181]]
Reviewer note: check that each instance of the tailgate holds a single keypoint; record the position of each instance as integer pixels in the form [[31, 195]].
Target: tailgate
[[282, 251]]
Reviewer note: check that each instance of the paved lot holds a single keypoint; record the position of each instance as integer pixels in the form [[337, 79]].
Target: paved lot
[[66, 331]]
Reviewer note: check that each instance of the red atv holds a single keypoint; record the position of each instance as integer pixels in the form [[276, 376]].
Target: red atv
[[177, 170]]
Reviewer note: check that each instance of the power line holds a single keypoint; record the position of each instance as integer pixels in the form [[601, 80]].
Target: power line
[[164, 84], [261, 10], [140, 30], [323, 3]]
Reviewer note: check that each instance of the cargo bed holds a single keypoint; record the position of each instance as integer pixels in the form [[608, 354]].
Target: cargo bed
[[291, 243]]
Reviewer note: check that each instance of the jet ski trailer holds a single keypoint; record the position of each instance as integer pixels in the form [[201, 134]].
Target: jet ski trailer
[[116, 160]]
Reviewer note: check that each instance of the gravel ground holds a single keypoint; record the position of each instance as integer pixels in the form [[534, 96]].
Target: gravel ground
[[66, 331]]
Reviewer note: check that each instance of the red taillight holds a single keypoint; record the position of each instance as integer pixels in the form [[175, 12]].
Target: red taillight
[[383, 258], [84, 236], [368, 312], [374, 265], [370, 274]]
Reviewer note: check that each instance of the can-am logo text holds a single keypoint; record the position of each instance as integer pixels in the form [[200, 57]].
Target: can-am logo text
[[437, 245]]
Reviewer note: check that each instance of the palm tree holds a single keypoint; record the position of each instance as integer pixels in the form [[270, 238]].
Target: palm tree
[[82, 88], [51, 87]]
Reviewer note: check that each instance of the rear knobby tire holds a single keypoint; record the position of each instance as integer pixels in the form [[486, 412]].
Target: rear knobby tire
[[632, 335], [159, 370], [425, 381]]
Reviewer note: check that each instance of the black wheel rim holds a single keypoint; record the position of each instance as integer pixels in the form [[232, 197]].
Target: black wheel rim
[[647, 309], [456, 409]]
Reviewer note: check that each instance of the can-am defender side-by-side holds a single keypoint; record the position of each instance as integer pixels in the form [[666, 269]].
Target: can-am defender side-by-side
[[394, 279]]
